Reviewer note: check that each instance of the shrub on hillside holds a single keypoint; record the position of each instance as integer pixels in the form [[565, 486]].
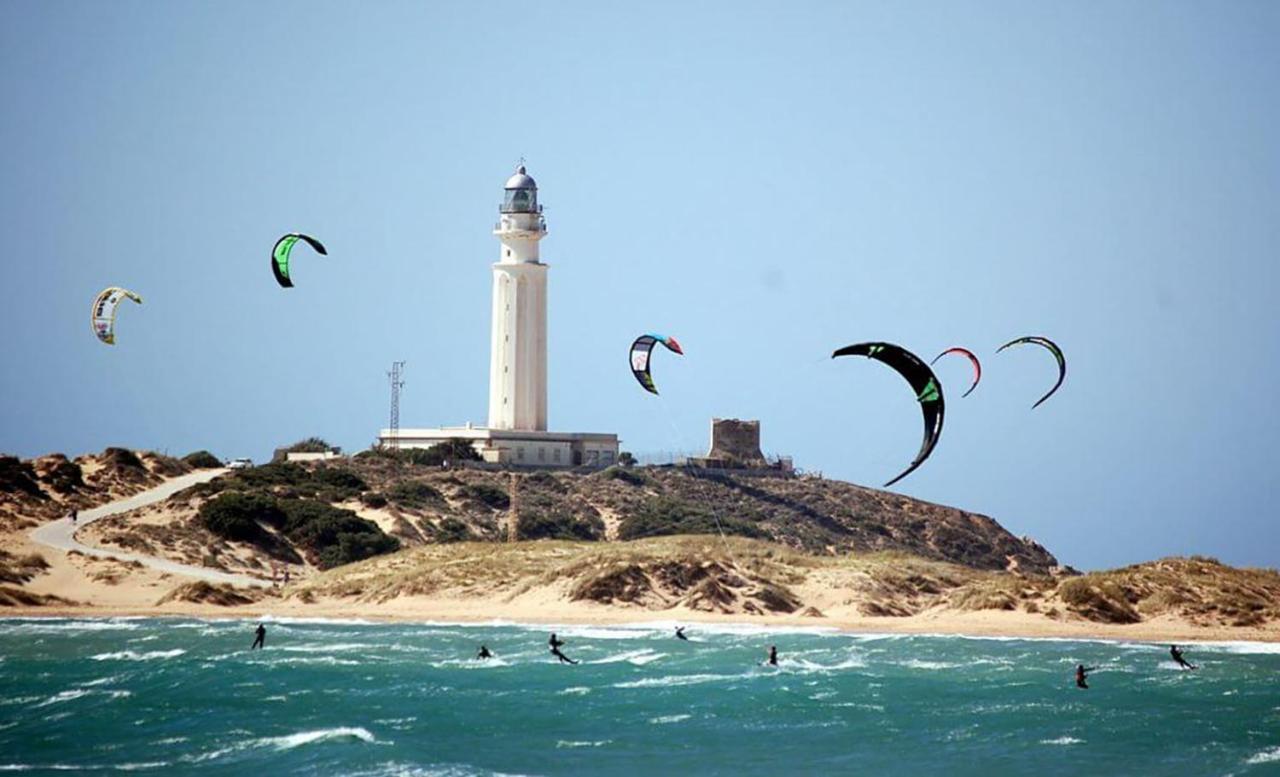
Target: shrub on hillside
[[202, 460], [332, 536], [237, 516], [664, 515], [415, 495], [17, 476], [489, 495], [373, 499], [273, 475], [452, 530], [335, 484], [65, 477], [121, 458], [452, 451], [625, 475], [309, 445], [556, 525]]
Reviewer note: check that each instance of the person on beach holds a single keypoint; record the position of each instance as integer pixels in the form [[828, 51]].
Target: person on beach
[[556, 643], [1081, 673], [1177, 656], [680, 633], [74, 514], [484, 653], [773, 655], [260, 637]]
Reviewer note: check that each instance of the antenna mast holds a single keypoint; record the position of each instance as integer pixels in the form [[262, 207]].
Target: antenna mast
[[397, 382]]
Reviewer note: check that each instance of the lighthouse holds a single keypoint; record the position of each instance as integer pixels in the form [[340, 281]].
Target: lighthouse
[[517, 435], [518, 342]]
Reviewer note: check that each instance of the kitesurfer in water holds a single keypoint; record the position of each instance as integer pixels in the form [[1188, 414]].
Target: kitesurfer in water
[[680, 633], [1177, 656], [556, 644], [484, 653], [1081, 673], [260, 637], [773, 655]]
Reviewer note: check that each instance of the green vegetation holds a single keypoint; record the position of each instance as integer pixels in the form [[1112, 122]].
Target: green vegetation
[[64, 477], [239, 517], [489, 495], [626, 459], [665, 515], [452, 530], [555, 525], [625, 475], [309, 445], [415, 495], [17, 476], [373, 499], [202, 460], [328, 536]]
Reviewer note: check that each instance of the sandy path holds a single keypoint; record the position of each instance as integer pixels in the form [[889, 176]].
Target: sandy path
[[60, 534]]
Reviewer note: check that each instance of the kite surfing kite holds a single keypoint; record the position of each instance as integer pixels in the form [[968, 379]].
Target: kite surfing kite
[[283, 249], [923, 382], [103, 313], [642, 354], [1053, 348], [977, 366]]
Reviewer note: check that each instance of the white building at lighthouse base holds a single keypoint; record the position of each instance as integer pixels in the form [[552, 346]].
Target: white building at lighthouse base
[[517, 448]]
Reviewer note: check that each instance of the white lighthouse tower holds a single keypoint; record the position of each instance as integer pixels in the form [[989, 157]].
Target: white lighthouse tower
[[518, 345], [517, 434]]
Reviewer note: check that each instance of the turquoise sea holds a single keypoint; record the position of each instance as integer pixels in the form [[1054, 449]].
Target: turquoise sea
[[172, 696]]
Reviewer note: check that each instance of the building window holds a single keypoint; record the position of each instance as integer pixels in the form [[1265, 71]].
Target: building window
[[542, 454], [520, 454], [607, 457], [555, 454]]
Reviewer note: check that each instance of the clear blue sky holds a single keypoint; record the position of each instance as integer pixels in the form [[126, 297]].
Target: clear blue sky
[[766, 182]]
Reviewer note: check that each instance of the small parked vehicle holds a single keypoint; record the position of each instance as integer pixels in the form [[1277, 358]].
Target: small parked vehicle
[[240, 464]]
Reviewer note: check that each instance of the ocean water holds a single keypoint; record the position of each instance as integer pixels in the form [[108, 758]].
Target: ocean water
[[174, 696]]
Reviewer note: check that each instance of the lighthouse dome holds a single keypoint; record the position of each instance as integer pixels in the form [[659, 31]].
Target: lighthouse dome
[[521, 180]]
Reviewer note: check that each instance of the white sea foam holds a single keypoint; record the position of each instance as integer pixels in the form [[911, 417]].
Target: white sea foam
[[99, 681], [670, 681], [308, 661], [322, 735], [803, 666], [338, 648], [662, 719], [916, 663], [58, 698], [597, 743], [130, 655], [577, 690], [1062, 741], [65, 625], [469, 663], [637, 657], [289, 741], [79, 693], [1267, 756]]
